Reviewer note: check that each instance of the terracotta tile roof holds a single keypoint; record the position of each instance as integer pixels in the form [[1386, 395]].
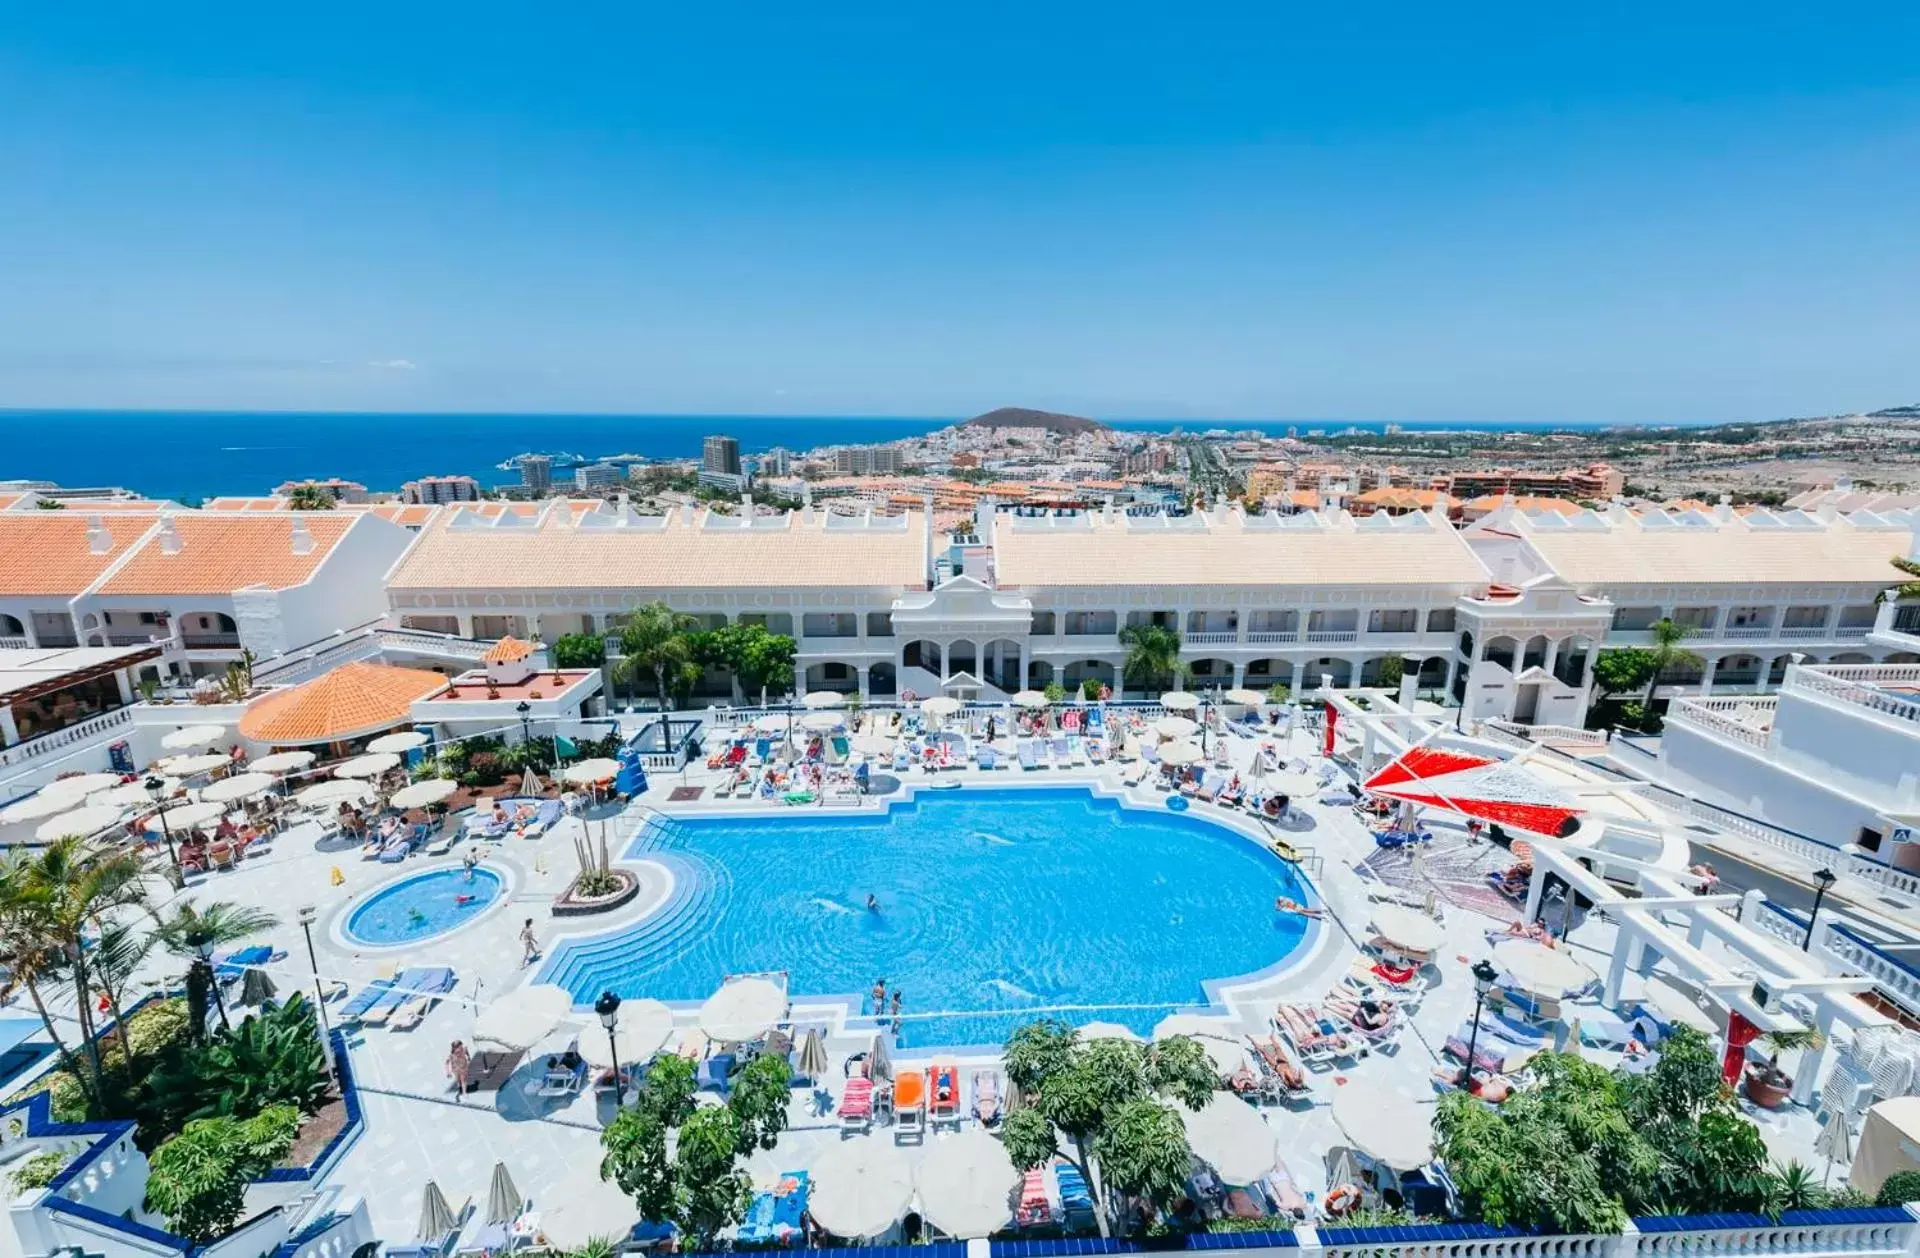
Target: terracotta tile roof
[[1400, 498], [245, 504], [353, 700], [221, 552], [7, 501], [654, 554], [1525, 502], [49, 552], [409, 514], [506, 650]]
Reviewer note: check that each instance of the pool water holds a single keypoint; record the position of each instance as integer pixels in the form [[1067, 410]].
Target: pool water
[[423, 906], [991, 901]]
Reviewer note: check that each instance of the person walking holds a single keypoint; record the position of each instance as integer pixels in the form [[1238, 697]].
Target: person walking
[[459, 1064], [530, 942]]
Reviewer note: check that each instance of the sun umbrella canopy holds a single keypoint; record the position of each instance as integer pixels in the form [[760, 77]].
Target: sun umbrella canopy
[[193, 737], [282, 762], [1180, 751], [1476, 783], [1414, 931], [369, 766], [1676, 1006], [589, 772], [135, 794], [504, 1201], [239, 786], [1249, 698], [193, 766], [641, 1031], [822, 722], [1230, 1135], [1385, 1126], [819, 699], [34, 807], [873, 745], [941, 705], [1179, 701], [967, 1183], [81, 786], [321, 794], [81, 822], [186, 817], [1175, 727], [860, 1187], [1536, 968], [1108, 1031], [405, 740], [745, 1009], [420, 794], [1031, 699], [436, 1218], [523, 1017], [772, 722]]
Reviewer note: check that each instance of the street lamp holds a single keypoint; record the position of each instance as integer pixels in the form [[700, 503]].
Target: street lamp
[[306, 916], [1823, 879], [157, 791], [523, 708], [608, 1007], [1484, 977]]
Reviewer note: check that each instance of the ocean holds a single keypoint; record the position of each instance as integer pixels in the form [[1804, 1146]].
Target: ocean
[[191, 455]]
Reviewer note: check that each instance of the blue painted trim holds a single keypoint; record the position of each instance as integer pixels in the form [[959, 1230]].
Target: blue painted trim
[[1421, 1233], [1846, 1216], [349, 1131]]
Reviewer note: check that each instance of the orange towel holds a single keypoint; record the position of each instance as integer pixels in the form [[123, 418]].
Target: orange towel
[[910, 1091]]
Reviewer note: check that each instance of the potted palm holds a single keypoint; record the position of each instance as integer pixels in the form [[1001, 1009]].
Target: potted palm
[[1768, 1086]]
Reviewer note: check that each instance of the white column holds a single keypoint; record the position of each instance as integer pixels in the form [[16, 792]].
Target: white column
[[1536, 890], [1552, 656], [33, 634], [1299, 676], [9, 732], [1766, 671], [1617, 965], [1239, 674], [861, 683], [1815, 1063], [464, 622], [1707, 670]]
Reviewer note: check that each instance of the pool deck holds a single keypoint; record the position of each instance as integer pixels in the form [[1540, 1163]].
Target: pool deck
[[417, 1130]]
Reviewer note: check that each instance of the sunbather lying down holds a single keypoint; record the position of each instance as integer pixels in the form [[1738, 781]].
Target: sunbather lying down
[[1282, 904]]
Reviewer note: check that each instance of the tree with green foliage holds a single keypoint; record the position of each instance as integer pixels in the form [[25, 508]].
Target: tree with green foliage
[[1090, 688], [760, 660], [698, 1187], [1153, 657], [1092, 1092], [1899, 1189], [579, 650], [198, 1180], [1666, 648], [1623, 670], [310, 497], [1906, 591], [274, 1057], [193, 934], [657, 640], [1391, 669]]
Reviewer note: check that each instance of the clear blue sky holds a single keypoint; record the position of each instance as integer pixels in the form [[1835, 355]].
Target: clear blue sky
[[1527, 211]]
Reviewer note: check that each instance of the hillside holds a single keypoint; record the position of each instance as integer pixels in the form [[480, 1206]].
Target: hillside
[[1023, 417]]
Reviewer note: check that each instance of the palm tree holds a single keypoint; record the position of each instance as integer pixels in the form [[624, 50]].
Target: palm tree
[[655, 640], [192, 934], [1665, 650], [1906, 589], [28, 953], [1153, 656], [309, 498]]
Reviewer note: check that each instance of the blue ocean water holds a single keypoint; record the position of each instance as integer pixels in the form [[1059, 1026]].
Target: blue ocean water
[[990, 900], [200, 454], [421, 907]]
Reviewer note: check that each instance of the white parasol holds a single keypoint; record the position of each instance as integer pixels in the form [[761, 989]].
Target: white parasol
[[523, 1017], [1108, 1031], [420, 794], [82, 822], [322, 794], [1413, 931], [744, 1009], [405, 740], [1180, 752], [1031, 699], [591, 772], [193, 766], [821, 699], [1179, 701], [135, 794], [873, 744], [966, 1182], [186, 817], [941, 705], [80, 786], [822, 722], [772, 722], [282, 762], [1230, 1135], [1246, 698], [1539, 969], [860, 1188], [194, 737], [1175, 727], [1385, 1126], [368, 766], [34, 807], [239, 786], [642, 1030]]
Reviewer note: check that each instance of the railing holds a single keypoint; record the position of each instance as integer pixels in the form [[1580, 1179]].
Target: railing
[[1892, 977], [14, 644], [1328, 637], [210, 641], [1852, 633], [1861, 685], [1273, 637], [1746, 634], [1211, 639], [1711, 714], [1803, 633], [1518, 735], [134, 637], [86, 731], [450, 645], [59, 639], [1806, 847]]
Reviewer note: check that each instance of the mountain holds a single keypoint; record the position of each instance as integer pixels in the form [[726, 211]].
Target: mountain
[[1022, 417]]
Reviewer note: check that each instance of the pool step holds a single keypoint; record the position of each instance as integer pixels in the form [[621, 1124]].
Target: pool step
[[700, 890]]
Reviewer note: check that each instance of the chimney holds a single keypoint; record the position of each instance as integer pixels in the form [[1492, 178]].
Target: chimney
[[1107, 512], [621, 503], [169, 536], [1723, 510], [983, 519], [806, 502], [302, 539], [99, 541]]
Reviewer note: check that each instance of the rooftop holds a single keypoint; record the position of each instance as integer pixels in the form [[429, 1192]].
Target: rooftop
[[354, 699], [27, 672], [475, 688], [60, 552], [220, 552]]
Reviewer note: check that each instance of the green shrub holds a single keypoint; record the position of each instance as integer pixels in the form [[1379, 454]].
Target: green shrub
[[198, 1179], [38, 1170], [1900, 1188], [1090, 689], [271, 1058], [1279, 692]]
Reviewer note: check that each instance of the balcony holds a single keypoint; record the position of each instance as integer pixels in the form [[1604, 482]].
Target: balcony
[[1273, 637], [1212, 639], [1746, 721], [1804, 633], [1888, 689], [1852, 633], [1332, 637], [129, 637], [212, 641], [1747, 633]]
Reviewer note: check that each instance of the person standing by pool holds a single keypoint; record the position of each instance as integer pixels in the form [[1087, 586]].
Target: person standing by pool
[[530, 942], [879, 996], [459, 1062]]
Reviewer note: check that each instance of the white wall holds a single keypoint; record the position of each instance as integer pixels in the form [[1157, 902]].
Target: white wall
[[348, 588], [1858, 751], [1732, 775]]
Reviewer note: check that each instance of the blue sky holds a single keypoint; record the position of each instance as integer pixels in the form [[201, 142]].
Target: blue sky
[[1526, 212]]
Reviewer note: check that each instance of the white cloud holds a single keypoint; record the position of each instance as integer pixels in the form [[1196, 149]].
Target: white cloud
[[393, 364]]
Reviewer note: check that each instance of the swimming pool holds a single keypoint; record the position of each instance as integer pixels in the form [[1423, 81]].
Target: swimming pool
[[423, 906], [990, 900]]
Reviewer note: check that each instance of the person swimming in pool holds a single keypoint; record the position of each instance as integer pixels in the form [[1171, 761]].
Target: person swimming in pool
[[1283, 904], [873, 903]]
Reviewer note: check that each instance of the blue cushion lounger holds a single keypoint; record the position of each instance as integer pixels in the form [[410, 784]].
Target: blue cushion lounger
[[1028, 760], [1062, 752], [364, 999], [235, 966]]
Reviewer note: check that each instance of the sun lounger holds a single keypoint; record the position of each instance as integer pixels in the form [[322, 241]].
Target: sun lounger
[[778, 1217], [1076, 1200], [1062, 752], [1029, 757], [1035, 1207], [1369, 976], [985, 757], [1284, 1074], [234, 966], [856, 1104], [1311, 1037], [562, 1081], [364, 999], [910, 1106], [1076, 750], [943, 1099], [430, 981], [1135, 774], [986, 1097]]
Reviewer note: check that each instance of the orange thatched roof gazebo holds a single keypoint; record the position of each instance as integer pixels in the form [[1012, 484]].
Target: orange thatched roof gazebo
[[351, 701]]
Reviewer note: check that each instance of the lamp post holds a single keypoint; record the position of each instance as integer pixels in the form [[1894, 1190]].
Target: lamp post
[[306, 916], [1484, 976], [1823, 878], [157, 791], [526, 726], [608, 1007]]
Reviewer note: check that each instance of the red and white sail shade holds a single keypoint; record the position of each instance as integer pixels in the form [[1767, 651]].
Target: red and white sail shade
[[1476, 784]]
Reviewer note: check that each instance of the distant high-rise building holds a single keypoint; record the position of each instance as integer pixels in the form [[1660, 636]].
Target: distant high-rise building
[[598, 476], [720, 454], [351, 491], [776, 461], [536, 473], [434, 490], [868, 461]]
